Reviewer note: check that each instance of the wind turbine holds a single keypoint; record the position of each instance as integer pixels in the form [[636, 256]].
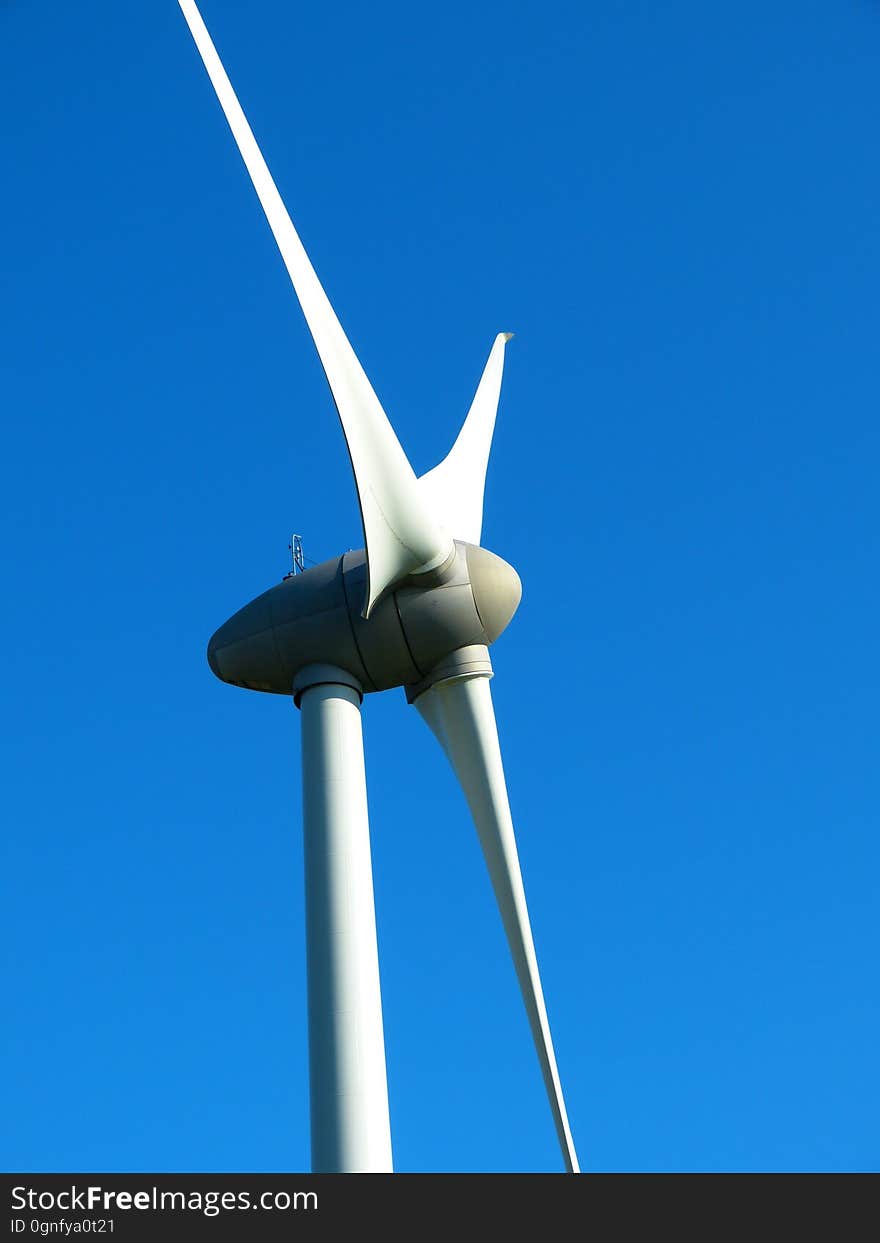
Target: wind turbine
[[418, 609]]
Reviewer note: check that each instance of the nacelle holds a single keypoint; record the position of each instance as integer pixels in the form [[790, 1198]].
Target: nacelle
[[315, 618]]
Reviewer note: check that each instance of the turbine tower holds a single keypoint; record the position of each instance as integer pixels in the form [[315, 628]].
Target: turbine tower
[[416, 608]]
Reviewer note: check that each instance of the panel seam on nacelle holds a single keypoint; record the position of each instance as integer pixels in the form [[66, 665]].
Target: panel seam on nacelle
[[354, 639], [415, 663], [477, 609]]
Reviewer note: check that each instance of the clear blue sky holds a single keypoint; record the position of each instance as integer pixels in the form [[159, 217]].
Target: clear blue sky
[[677, 209]]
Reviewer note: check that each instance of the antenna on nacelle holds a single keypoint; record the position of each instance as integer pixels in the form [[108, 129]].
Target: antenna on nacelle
[[296, 551]]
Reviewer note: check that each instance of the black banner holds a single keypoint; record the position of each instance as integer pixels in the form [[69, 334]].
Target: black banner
[[115, 1208]]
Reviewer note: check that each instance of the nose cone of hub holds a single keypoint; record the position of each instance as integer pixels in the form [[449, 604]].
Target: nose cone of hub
[[496, 587]]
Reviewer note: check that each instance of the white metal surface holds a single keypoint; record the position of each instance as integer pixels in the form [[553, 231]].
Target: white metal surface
[[455, 488], [349, 1097], [401, 533], [461, 715]]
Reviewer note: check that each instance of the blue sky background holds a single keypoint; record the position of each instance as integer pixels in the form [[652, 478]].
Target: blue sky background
[[675, 207]]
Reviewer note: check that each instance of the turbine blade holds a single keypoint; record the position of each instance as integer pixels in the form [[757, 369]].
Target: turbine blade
[[455, 487], [462, 717], [401, 533]]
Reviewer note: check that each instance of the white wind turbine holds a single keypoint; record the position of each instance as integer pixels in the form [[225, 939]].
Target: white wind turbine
[[417, 608]]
